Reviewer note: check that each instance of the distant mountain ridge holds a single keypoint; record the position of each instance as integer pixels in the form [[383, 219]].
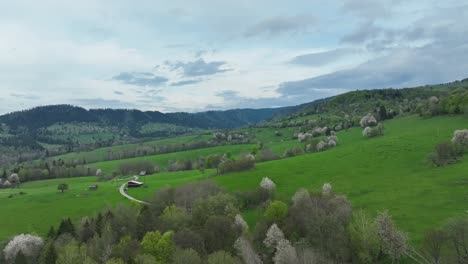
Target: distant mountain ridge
[[44, 116]]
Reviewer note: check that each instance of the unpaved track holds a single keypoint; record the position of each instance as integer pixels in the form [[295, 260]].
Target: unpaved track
[[124, 194]]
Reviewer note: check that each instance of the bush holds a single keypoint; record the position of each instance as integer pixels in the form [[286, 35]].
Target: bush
[[266, 154], [245, 163], [321, 146], [373, 131], [296, 151], [446, 153], [252, 199], [460, 137], [368, 121], [276, 212]]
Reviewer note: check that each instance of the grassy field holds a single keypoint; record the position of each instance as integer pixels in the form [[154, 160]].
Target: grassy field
[[389, 172], [163, 159], [100, 152], [43, 205]]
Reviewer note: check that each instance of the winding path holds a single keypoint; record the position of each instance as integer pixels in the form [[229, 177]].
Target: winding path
[[124, 194]]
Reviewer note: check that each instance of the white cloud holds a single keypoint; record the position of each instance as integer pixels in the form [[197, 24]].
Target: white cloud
[[55, 51]]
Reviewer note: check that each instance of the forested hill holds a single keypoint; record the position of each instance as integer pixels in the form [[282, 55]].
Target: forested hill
[[44, 116], [57, 129]]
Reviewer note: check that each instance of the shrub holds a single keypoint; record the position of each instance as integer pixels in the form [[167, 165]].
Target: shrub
[[326, 188], [296, 151], [276, 212], [367, 131], [303, 136], [268, 185], [332, 137], [373, 131], [266, 154], [460, 137], [252, 199], [368, 121], [311, 145], [364, 239], [446, 153], [321, 146], [245, 163]]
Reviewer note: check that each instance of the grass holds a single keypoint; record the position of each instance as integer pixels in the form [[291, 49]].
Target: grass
[[162, 160], [43, 205], [101, 152], [389, 172]]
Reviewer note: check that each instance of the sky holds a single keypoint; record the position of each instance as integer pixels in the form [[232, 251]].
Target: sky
[[193, 56]]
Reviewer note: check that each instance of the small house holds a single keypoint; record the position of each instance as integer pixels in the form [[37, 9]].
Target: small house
[[134, 184], [93, 187]]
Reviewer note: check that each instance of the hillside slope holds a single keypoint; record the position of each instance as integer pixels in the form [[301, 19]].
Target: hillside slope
[[389, 172]]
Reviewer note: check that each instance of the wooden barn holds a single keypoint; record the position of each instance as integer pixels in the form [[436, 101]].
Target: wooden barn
[[133, 183]]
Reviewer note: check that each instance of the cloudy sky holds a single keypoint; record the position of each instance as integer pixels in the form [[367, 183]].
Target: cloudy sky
[[182, 55]]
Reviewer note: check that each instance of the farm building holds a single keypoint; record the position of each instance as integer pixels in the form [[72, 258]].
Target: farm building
[[134, 184]]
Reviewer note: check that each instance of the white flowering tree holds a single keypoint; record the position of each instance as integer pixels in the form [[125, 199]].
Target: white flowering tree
[[250, 157], [29, 245], [6, 184], [268, 185], [246, 251], [14, 179], [241, 223], [367, 131], [303, 136], [394, 242], [321, 146], [301, 196], [460, 137], [434, 99], [326, 188], [331, 143], [368, 120], [273, 236], [285, 253]]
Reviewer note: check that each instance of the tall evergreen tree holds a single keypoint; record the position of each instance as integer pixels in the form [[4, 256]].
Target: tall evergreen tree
[[66, 226], [52, 233], [99, 224]]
